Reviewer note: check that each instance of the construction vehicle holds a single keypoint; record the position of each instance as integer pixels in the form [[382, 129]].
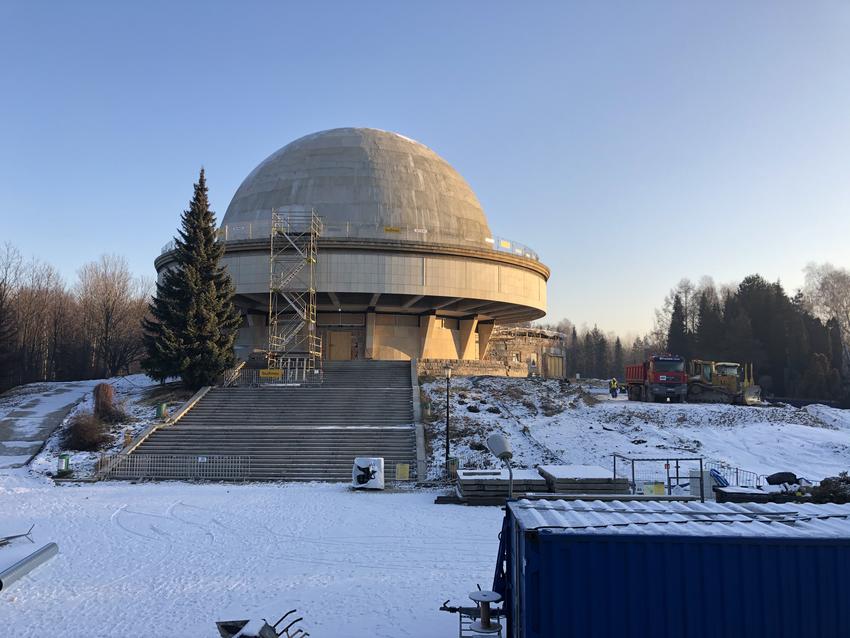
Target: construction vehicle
[[722, 382], [659, 378]]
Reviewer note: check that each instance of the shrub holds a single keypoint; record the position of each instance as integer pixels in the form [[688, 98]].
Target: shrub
[[85, 433], [835, 489], [530, 406], [473, 408], [104, 404], [551, 408], [494, 410]]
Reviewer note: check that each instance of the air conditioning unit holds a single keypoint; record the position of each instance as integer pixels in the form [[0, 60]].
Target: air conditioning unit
[[368, 473]]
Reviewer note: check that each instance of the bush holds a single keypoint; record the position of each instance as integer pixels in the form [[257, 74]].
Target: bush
[[85, 433], [835, 489], [104, 404], [473, 408], [494, 410]]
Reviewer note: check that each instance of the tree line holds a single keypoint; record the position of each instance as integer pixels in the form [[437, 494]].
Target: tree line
[[107, 323], [799, 345], [53, 331], [796, 344]]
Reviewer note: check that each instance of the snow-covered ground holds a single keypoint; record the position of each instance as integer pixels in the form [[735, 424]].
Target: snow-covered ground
[[170, 559], [550, 421]]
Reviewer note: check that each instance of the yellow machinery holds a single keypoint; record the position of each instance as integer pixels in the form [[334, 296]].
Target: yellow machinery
[[722, 382]]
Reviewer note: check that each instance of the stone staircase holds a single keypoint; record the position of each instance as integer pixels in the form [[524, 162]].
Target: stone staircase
[[363, 408]]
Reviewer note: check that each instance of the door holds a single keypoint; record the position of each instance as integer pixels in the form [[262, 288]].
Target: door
[[340, 349]]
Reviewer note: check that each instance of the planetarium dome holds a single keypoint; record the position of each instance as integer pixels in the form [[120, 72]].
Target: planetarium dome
[[363, 182], [405, 264]]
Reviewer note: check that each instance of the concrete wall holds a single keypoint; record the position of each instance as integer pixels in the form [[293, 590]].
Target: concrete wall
[[469, 368], [342, 271]]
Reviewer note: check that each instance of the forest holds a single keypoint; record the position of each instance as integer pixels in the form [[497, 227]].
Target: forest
[[798, 344]]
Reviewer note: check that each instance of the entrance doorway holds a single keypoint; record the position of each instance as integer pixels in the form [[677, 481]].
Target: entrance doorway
[[340, 345]]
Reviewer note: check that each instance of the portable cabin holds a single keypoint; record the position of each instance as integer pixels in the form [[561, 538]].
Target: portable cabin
[[592, 569]]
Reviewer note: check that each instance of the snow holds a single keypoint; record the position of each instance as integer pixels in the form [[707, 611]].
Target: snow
[[576, 471], [173, 558], [552, 422]]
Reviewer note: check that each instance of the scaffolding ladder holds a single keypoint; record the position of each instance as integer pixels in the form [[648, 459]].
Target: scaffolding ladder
[[295, 347]]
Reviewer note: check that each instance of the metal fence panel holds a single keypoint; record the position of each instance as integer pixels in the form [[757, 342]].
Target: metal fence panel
[[178, 467]]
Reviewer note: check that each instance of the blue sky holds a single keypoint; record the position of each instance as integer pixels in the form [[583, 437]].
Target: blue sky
[[631, 144]]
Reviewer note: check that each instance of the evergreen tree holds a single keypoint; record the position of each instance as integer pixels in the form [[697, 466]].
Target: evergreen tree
[[587, 356], [836, 345], [601, 366], [573, 352], [708, 340], [618, 360], [194, 321], [677, 335]]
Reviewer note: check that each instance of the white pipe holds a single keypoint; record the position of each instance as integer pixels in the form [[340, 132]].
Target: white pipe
[[26, 565]]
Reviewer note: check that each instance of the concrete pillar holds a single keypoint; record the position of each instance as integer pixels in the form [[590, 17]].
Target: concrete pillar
[[484, 332], [254, 320], [427, 325], [467, 338], [370, 334]]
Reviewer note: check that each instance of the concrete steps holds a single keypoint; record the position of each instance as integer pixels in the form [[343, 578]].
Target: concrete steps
[[303, 433]]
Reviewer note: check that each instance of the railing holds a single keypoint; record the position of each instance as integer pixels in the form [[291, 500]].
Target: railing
[[262, 230], [670, 475], [292, 372], [735, 475], [175, 467]]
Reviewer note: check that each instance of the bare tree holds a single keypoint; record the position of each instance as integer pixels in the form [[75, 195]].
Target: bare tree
[[112, 304], [827, 294]]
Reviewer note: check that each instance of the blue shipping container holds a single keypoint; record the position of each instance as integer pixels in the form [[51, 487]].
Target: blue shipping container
[[675, 570]]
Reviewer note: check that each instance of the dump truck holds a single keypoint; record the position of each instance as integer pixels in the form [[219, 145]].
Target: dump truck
[[722, 382], [659, 378]]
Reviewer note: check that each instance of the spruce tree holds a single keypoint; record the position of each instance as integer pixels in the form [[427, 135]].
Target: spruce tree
[[677, 336], [619, 360], [194, 321]]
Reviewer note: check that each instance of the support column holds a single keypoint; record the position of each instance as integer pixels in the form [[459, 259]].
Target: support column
[[467, 338], [370, 334], [427, 325], [485, 329]]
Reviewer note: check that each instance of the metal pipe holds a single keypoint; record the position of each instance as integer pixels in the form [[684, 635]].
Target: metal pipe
[[26, 565]]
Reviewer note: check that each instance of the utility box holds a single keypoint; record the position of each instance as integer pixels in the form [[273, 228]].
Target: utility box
[[707, 484], [583, 569], [368, 473]]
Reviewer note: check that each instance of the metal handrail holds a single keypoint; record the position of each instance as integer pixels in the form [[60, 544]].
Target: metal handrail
[[262, 230]]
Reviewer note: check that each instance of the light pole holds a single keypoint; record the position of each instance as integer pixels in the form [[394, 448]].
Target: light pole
[[448, 370], [501, 449]]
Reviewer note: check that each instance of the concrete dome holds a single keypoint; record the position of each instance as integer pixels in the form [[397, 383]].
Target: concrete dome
[[364, 183]]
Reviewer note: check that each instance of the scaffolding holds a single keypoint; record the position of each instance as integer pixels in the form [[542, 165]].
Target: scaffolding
[[295, 347]]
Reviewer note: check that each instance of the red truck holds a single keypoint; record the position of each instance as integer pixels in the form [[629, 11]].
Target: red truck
[[662, 377]]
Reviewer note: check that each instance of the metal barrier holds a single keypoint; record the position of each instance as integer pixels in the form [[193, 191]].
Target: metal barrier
[[175, 467], [648, 473], [292, 372], [735, 475], [351, 230]]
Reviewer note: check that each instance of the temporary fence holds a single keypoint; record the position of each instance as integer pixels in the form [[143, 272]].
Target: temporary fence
[[177, 467], [293, 371], [736, 476], [662, 475]]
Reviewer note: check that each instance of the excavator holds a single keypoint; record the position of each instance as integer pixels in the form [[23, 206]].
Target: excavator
[[722, 382]]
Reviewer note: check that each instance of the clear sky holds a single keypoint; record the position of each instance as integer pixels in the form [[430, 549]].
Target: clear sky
[[631, 144]]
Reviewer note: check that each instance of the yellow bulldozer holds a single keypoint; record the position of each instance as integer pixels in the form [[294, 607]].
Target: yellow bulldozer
[[722, 382]]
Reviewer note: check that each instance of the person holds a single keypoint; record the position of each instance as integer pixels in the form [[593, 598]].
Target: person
[[613, 387]]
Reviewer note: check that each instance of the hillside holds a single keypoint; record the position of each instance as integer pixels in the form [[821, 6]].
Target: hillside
[[548, 421]]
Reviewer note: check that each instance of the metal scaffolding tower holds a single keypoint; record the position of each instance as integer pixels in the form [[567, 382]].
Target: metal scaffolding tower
[[295, 348]]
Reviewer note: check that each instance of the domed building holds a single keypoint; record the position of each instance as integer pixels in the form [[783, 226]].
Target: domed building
[[407, 266]]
